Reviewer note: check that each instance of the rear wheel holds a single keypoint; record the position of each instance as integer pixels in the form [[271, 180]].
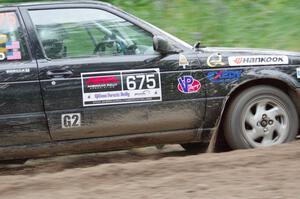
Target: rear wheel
[[261, 116]]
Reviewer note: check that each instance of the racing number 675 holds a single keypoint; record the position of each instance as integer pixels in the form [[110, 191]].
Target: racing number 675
[[148, 80]]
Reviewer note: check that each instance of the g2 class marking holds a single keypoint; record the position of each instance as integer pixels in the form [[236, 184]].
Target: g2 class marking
[[71, 120]]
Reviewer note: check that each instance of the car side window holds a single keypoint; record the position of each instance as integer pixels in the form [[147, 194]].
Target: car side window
[[12, 42], [83, 32]]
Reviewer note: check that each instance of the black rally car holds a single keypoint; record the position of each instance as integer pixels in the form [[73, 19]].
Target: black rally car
[[81, 77]]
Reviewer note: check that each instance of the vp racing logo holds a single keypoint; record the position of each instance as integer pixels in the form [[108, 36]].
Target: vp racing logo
[[187, 85]]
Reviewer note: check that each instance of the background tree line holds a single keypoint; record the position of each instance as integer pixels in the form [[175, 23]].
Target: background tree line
[[240, 23]]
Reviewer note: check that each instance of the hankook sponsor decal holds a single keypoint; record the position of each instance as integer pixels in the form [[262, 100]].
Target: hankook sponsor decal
[[187, 85], [257, 60], [224, 76], [121, 87]]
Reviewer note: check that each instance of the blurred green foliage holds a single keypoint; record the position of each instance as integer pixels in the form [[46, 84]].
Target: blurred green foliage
[[241, 23]]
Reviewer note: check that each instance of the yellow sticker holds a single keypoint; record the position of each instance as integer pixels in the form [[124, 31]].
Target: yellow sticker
[[183, 61], [215, 60], [3, 38], [3, 50]]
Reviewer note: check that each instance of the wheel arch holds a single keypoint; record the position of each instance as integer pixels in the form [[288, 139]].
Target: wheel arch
[[284, 85]]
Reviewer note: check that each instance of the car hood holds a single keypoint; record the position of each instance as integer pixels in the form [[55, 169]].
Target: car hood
[[250, 51], [220, 56]]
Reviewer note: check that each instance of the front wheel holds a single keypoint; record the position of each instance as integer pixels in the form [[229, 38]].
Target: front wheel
[[261, 116]]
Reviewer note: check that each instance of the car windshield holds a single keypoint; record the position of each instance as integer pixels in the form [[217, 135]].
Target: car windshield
[[172, 37]]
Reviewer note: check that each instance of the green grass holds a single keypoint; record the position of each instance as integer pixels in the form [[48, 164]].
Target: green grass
[[240, 23]]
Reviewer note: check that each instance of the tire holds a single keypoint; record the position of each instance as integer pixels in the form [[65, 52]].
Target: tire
[[195, 148], [260, 116]]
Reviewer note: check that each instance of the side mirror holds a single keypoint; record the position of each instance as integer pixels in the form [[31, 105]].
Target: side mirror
[[162, 46]]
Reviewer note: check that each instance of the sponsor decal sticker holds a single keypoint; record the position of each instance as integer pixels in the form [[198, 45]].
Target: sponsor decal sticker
[[3, 50], [71, 120], [3, 38], [103, 83], [298, 73], [11, 45], [21, 70], [121, 87], [215, 60], [224, 76], [257, 60], [13, 55], [187, 85], [11, 51], [183, 61]]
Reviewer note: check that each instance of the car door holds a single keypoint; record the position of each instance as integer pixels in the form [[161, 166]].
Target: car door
[[22, 117], [101, 77]]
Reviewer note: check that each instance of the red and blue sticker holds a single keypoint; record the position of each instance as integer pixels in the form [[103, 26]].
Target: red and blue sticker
[[187, 84], [224, 76]]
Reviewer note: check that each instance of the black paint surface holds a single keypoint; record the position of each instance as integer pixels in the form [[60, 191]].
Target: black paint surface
[[31, 105]]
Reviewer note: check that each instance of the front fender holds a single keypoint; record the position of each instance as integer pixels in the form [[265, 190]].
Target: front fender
[[219, 96]]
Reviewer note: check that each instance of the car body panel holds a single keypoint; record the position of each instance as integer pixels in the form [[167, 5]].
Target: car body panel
[[218, 93], [98, 121], [177, 118], [172, 113], [22, 117]]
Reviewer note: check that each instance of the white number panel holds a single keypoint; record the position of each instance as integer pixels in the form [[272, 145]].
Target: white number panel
[[121, 87]]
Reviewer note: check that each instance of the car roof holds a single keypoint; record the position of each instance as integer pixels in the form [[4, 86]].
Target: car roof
[[53, 3]]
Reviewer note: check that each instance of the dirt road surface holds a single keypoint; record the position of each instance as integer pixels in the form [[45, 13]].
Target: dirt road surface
[[272, 173]]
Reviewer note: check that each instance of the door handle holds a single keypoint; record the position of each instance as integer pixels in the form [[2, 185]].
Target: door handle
[[59, 73]]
